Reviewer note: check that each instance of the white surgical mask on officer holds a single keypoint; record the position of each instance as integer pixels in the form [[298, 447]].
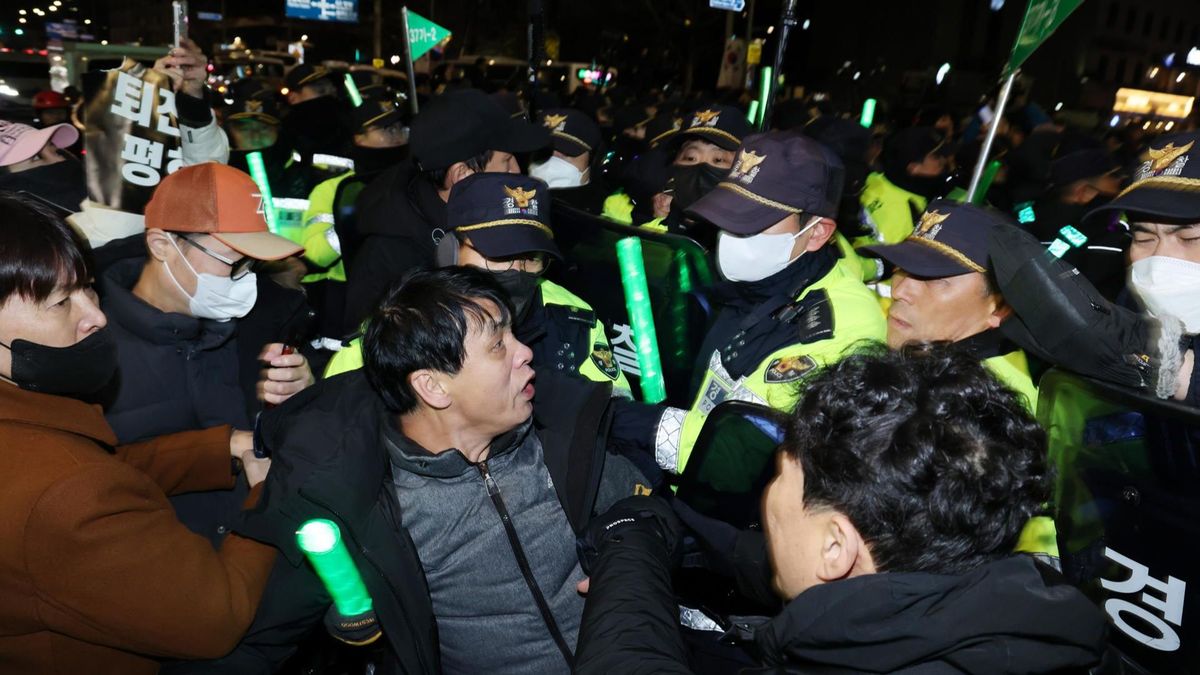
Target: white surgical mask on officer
[[1169, 287], [217, 298], [558, 173], [757, 256]]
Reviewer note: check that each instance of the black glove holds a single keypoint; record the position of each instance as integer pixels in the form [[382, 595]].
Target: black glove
[[357, 630], [650, 516], [717, 537]]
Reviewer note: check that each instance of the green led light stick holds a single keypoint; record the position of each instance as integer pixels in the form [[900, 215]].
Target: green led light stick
[[752, 114], [637, 302], [321, 541], [989, 174], [765, 88], [352, 90], [868, 113], [259, 173]]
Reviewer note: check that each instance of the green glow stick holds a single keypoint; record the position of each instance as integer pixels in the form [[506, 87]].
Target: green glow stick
[[765, 87], [989, 174], [637, 302], [352, 89], [259, 173], [752, 115], [321, 541], [868, 113]]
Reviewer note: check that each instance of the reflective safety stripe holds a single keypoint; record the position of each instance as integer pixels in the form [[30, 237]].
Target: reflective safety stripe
[[326, 218], [332, 239], [666, 439], [290, 203], [327, 160]]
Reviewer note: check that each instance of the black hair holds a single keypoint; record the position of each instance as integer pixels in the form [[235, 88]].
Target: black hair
[[478, 164], [936, 462], [39, 251], [423, 324]]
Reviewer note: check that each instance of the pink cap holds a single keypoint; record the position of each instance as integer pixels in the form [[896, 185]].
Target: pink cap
[[19, 142]]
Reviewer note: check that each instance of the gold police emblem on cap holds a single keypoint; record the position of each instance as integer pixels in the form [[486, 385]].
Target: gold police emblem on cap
[[1161, 158], [520, 196], [931, 224], [706, 118], [748, 160], [253, 106], [555, 122]]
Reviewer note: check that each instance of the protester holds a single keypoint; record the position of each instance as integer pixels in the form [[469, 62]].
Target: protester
[[98, 575], [175, 314], [890, 526], [35, 161], [464, 481]]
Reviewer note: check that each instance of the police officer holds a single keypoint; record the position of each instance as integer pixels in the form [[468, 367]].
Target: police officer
[[500, 222], [379, 143], [313, 124], [253, 124], [942, 291], [703, 150], [571, 170], [402, 213], [787, 306], [915, 170], [1162, 206]]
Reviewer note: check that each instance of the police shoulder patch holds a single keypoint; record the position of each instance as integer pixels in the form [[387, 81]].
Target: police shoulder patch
[[789, 369], [602, 356]]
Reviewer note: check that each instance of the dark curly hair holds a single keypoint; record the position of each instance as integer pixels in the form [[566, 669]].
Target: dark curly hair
[[936, 462]]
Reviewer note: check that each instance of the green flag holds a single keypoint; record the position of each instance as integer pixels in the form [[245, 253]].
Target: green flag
[[1042, 18], [423, 34]]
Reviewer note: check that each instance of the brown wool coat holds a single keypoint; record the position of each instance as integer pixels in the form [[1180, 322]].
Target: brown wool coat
[[96, 574]]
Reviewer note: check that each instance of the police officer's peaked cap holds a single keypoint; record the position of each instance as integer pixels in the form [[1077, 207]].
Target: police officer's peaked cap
[[950, 239], [1164, 184], [502, 214], [774, 175]]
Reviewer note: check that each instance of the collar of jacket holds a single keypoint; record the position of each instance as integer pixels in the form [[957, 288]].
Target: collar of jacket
[[150, 323], [988, 344], [407, 455], [54, 412], [1013, 611]]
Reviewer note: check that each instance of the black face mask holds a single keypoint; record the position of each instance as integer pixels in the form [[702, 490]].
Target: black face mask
[[62, 183], [374, 160], [521, 286], [693, 182], [76, 371]]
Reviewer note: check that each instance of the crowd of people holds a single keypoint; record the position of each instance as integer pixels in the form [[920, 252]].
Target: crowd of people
[[181, 390]]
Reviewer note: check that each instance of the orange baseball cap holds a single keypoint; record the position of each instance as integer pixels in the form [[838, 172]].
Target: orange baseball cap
[[221, 201]]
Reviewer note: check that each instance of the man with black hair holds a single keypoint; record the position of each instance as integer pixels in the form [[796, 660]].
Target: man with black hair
[[402, 213], [890, 526], [463, 493]]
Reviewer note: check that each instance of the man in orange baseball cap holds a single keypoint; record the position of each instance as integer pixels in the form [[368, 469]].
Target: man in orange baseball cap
[[185, 363]]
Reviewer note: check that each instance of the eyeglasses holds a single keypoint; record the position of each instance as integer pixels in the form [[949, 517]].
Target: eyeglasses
[[534, 263], [239, 268]]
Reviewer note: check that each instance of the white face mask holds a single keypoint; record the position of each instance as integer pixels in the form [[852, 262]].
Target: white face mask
[[1168, 287], [558, 173], [217, 298], [757, 257]]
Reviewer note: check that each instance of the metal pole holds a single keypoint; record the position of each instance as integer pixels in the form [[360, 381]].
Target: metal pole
[[537, 51], [991, 136], [408, 62], [786, 20]]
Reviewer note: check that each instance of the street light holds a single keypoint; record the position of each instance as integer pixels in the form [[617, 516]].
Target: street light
[[22, 12], [1180, 78]]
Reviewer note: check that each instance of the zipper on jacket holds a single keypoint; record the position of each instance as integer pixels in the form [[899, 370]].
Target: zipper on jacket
[[493, 491]]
